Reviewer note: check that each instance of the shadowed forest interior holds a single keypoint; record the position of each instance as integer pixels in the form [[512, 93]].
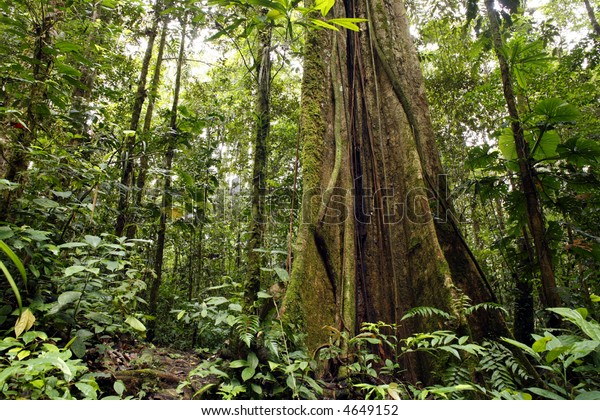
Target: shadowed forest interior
[[285, 199]]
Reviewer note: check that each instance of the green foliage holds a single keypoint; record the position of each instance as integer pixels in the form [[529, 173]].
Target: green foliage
[[571, 360], [33, 367], [273, 364], [17, 262]]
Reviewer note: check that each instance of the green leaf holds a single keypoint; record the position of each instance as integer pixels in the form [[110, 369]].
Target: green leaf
[[257, 389], [73, 245], [94, 241], [556, 111], [67, 46], [588, 395], [87, 390], [263, 295], [252, 360], [66, 69], [324, 6], [112, 265], [74, 269], [135, 323], [63, 194], [546, 394], [291, 382], [37, 235], [520, 77], [119, 387], [282, 274], [68, 297], [6, 232], [455, 388], [546, 146], [591, 329], [506, 144], [581, 349], [580, 151], [29, 336], [522, 346], [451, 350], [236, 307], [322, 24], [23, 354], [236, 364], [16, 261], [556, 352], [216, 300], [78, 347], [348, 23], [540, 345], [38, 383], [247, 373]]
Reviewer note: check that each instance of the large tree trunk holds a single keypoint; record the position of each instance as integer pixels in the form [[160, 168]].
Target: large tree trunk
[[377, 235], [262, 126]]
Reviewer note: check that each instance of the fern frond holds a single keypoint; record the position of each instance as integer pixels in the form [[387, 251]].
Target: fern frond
[[425, 312], [487, 306], [247, 327], [502, 368]]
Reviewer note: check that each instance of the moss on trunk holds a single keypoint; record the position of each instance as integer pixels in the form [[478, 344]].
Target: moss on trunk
[[379, 250]]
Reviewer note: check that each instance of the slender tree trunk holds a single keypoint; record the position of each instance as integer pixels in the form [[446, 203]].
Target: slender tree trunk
[[43, 31], [262, 125], [83, 92], [167, 200], [592, 16], [130, 142], [527, 175], [371, 244], [144, 162], [475, 221], [524, 315]]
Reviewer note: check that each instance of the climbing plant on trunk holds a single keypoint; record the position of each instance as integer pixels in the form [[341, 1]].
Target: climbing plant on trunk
[[262, 126], [378, 235]]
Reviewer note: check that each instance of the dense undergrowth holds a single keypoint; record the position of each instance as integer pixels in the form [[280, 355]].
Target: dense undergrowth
[[51, 348]]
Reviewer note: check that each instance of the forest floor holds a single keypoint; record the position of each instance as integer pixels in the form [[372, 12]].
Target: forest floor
[[148, 372]]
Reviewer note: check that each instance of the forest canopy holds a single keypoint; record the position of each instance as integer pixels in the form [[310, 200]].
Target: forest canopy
[[285, 199]]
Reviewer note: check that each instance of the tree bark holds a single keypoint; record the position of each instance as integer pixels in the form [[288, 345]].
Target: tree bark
[[144, 163], [83, 92], [377, 234], [44, 32], [262, 127], [527, 176], [130, 142], [592, 16], [167, 200]]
